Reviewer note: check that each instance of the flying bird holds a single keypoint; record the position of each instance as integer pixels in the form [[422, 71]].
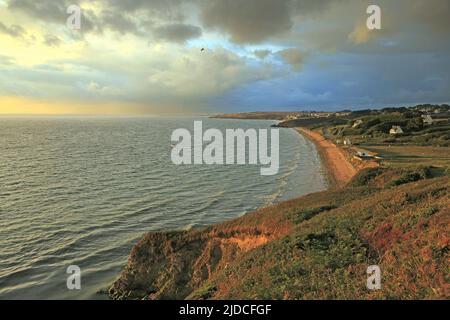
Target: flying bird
[[203, 49]]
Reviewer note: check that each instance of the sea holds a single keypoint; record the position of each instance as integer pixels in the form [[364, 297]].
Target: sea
[[83, 190]]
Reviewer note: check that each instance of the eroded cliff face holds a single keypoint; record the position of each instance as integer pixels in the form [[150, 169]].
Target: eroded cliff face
[[170, 265]]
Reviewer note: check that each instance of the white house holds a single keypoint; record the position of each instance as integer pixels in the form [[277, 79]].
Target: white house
[[427, 120], [347, 142], [396, 130]]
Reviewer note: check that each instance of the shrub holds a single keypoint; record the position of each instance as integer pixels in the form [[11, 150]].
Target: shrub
[[363, 177], [412, 176], [307, 214]]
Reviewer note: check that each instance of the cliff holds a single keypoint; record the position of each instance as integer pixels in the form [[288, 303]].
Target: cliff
[[314, 247]]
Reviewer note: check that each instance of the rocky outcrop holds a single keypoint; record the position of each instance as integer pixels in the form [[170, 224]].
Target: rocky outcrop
[[170, 265]]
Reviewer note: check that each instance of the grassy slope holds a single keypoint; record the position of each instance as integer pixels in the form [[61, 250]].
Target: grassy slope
[[314, 247], [404, 230]]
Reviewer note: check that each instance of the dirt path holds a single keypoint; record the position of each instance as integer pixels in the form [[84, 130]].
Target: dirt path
[[339, 168]]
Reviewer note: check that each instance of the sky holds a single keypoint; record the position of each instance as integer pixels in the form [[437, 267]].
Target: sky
[[146, 57]]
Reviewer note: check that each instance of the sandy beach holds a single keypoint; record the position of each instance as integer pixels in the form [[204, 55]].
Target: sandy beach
[[339, 169]]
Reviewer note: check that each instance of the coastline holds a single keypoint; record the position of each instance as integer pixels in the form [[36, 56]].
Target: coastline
[[229, 260], [338, 169], [236, 239]]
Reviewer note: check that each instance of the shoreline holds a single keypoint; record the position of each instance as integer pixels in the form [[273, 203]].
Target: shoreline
[[213, 263], [248, 241], [339, 170]]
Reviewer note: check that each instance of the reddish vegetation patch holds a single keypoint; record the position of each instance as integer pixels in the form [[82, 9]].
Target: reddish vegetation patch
[[405, 230], [384, 237], [247, 243]]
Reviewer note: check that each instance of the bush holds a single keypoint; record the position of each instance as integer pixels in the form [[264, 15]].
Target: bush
[[363, 177], [307, 214], [412, 176]]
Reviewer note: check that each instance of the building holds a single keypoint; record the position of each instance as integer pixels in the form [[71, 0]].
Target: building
[[396, 130], [347, 142], [427, 120]]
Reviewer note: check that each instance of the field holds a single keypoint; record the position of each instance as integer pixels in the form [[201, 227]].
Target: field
[[413, 155]]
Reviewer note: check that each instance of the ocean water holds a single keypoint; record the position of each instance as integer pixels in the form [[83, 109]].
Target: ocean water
[[82, 191]]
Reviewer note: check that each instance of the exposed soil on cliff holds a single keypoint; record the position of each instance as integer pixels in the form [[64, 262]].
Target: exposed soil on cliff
[[170, 265]]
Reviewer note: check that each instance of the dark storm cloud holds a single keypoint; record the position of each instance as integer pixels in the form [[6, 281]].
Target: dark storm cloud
[[433, 13], [303, 7], [52, 11], [13, 30], [119, 22], [293, 57], [244, 21], [153, 5], [253, 21], [170, 10], [179, 33], [116, 16], [248, 21], [48, 10]]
